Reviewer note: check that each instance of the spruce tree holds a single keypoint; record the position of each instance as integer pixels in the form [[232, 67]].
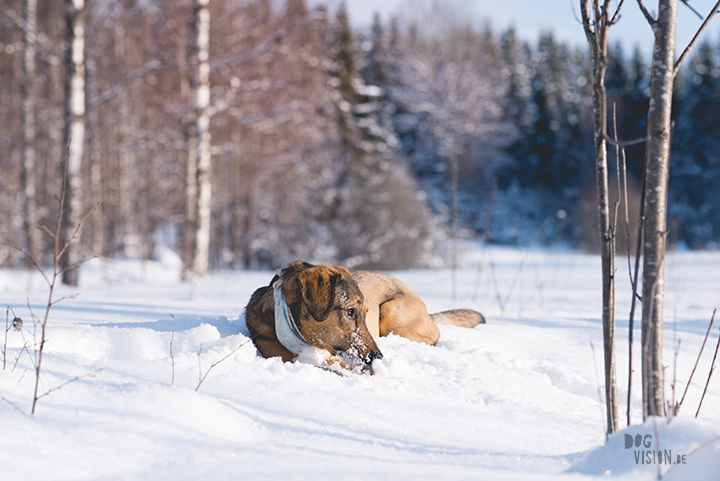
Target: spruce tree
[[375, 216]]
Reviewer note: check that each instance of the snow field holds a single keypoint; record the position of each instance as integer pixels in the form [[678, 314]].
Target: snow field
[[515, 399]]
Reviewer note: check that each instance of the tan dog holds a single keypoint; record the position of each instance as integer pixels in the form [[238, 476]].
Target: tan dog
[[340, 313]]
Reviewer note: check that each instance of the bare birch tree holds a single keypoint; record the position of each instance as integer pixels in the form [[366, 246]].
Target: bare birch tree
[[29, 95], [597, 21], [198, 184], [74, 133], [657, 162]]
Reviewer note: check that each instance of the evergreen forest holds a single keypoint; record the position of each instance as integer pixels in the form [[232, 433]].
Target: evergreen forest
[[331, 144]]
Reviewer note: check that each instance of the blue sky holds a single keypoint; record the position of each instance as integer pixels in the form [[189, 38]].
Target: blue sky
[[530, 17]]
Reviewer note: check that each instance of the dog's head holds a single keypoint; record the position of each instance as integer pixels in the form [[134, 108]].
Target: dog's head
[[329, 311]]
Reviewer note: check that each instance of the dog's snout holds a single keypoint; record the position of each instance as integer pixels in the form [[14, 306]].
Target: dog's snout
[[375, 354]]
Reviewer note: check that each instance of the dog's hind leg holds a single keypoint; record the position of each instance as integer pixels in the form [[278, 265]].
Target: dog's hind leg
[[407, 316]]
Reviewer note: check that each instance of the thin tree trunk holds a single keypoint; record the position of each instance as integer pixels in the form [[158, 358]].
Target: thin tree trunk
[[95, 133], [127, 178], [596, 33], [29, 94], [127, 171], [187, 238], [198, 186], [204, 210], [454, 215], [74, 132], [657, 160]]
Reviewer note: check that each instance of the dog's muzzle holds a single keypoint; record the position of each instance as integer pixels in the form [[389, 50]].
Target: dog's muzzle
[[364, 362], [374, 354]]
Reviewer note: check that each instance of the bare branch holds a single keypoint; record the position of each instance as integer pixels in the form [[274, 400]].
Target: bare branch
[[692, 373], [77, 264], [172, 358], [13, 405], [76, 378], [7, 328], [692, 9], [703, 445], [645, 12], [616, 15], [707, 383], [34, 264], [47, 231], [19, 21], [623, 143], [118, 88], [75, 233], [217, 362], [63, 298], [276, 112], [586, 23], [262, 49], [17, 359], [695, 38]]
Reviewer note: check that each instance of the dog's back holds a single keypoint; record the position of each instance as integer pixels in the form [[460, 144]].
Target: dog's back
[[394, 307]]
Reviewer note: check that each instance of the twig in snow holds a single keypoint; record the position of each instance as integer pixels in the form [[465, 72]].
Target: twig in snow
[[172, 358], [201, 379], [60, 247], [12, 404], [599, 389], [17, 359], [60, 386], [692, 373], [672, 406], [695, 450], [7, 328], [486, 234], [712, 368], [520, 268]]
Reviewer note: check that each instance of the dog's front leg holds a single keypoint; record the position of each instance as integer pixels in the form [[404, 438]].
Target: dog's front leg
[[272, 348]]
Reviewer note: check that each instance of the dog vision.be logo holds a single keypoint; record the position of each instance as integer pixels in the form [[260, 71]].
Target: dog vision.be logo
[[646, 454]]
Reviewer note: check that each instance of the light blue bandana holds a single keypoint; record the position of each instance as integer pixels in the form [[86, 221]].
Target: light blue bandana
[[285, 328]]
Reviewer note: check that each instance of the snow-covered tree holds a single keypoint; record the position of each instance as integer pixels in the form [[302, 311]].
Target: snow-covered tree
[[696, 166], [375, 215]]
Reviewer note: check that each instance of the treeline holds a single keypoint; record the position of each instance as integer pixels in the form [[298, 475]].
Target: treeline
[[328, 144]]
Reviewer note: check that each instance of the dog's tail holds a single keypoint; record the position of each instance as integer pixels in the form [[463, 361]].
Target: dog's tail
[[458, 317]]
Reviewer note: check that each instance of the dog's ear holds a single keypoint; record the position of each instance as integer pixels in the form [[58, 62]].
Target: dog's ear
[[317, 286], [343, 271]]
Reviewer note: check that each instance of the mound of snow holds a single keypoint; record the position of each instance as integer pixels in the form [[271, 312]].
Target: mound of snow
[[684, 449]]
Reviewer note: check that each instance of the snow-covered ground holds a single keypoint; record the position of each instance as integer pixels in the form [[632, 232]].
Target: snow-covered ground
[[515, 399]]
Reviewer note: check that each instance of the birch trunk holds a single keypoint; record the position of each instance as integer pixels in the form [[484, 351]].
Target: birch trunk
[[74, 133], [94, 137], [29, 95], [596, 33], [198, 185], [657, 160]]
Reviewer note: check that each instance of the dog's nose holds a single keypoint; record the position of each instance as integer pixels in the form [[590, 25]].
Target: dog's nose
[[375, 354]]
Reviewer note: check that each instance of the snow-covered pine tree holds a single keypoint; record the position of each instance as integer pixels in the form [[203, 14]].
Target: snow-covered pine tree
[[696, 165], [375, 215]]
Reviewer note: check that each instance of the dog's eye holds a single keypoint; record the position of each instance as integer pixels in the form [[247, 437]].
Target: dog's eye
[[351, 313]]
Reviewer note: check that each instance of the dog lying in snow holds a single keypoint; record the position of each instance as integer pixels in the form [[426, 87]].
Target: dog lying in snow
[[341, 313]]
